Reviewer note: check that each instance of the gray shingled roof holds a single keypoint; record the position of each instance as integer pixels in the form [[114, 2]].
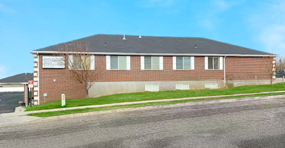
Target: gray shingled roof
[[156, 45], [19, 78]]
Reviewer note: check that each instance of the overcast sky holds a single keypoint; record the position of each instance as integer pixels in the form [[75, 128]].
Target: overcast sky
[[26, 25]]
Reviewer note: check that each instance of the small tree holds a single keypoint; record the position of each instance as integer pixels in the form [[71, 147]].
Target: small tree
[[280, 63], [80, 63], [270, 67]]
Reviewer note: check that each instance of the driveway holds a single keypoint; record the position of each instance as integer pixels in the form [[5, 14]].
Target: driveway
[[10, 100]]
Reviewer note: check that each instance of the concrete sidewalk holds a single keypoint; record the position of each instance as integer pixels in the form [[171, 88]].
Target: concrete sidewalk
[[19, 116], [15, 118]]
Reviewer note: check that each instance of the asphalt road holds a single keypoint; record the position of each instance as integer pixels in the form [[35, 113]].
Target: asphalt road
[[10, 100], [241, 124]]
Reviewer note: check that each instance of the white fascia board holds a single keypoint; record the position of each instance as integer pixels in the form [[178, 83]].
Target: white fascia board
[[156, 54], [12, 83]]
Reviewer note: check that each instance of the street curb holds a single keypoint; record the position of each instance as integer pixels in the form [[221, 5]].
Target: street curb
[[19, 109], [162, 106]]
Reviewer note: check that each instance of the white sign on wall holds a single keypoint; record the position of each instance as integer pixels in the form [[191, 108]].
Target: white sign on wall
[[53, 62]]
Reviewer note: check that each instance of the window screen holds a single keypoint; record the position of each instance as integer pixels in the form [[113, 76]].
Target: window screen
[[213, 63], [151, 62], [183, 63], [118, 62], [81, 62]]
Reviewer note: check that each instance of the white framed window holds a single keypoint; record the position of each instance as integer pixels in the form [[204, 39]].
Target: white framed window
[[81, 62], [214, 63], [183, 63], [151, 63], [118, 62], [211, 85], [182, 86], [151, 87]]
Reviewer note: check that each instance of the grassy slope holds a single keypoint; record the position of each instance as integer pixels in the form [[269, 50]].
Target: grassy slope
[[131, 97], [66, 112]]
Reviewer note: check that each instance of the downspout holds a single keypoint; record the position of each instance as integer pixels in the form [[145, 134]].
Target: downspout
[[39, 78], [225, 71]]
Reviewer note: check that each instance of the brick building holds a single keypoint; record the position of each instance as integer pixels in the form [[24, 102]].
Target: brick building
[[144, 63]]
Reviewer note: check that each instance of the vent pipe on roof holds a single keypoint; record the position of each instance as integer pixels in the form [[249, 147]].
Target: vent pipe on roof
[[105, 44], [124, 37], [159, 39], [140, 36], [196, 46]]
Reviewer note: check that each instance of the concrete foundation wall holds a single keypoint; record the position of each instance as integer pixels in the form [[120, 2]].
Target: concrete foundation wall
[[235, 83], [108, 88]]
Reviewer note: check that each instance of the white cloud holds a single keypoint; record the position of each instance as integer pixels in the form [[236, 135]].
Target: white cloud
[[273, 38], [269, 25], [5, 9], [2, 72], [223, 5], [210, 18], [207, 22], [163, 7], [159, 3]]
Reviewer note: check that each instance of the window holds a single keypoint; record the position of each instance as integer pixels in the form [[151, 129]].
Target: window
[[182, 86], [118, 62], [214, 63], [151, 63], [151, 87], [81, 62], [183, 63], [211, 85]]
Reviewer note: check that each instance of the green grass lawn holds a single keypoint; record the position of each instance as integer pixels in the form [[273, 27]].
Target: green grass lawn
[[66, 112], [142, 96]]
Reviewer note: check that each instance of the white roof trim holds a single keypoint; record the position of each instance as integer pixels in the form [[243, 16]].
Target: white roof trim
[[158, 54]]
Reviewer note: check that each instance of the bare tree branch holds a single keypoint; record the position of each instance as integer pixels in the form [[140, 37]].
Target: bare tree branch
[[280, 63], [80, 64]]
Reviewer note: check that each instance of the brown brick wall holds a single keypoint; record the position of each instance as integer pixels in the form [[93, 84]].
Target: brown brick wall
[[248, 68], [167, 74], [55, 82], [247, 65], [72, 89]]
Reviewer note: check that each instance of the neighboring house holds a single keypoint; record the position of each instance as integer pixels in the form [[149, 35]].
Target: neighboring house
[[15, 83], [145, 63]]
